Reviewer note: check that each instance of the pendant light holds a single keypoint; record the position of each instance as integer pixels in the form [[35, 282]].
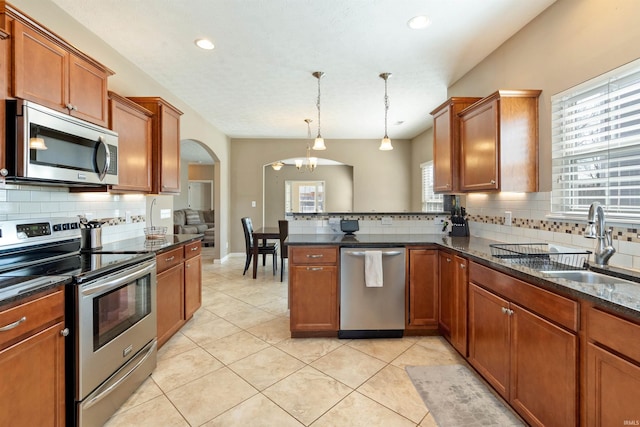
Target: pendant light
[[385, 143], [36, 142], [309, 163], [318, 144]]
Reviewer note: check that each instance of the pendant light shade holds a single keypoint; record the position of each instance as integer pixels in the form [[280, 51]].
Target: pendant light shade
[[318, 143], [385, 143]]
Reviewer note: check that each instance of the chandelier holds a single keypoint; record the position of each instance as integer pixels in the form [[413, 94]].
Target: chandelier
[[385, 143], [318, 144], [309, 163]]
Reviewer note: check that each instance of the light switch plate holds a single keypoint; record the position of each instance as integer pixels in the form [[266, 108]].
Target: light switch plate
[[165, 213], [507, 218]]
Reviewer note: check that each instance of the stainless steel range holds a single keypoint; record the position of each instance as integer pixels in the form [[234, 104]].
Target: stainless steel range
[[110, 310]]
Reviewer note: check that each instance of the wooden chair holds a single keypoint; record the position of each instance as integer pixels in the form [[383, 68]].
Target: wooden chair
[[283, 224], [268, 249]]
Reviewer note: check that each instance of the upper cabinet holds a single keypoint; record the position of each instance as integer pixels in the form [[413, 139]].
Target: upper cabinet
[[49, 71], [446, 143], [133, 124], [499, 143], [165, 137]]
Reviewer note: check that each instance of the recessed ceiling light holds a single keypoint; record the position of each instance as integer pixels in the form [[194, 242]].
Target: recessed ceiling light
[[204, 44], [419, 22]]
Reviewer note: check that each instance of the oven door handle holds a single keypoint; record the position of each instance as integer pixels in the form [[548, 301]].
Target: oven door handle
[[115, 280], [106, 389]]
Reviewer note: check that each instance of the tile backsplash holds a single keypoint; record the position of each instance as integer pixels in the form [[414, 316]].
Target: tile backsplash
[[125, 213]]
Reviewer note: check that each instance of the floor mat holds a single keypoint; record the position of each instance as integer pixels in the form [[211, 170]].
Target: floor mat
[[456, 397]]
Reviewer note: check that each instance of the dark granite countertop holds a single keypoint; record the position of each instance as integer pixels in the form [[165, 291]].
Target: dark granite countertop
[[625, 299], [141, 244]]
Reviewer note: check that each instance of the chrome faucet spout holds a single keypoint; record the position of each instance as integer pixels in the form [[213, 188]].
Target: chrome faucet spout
[[604, 249]]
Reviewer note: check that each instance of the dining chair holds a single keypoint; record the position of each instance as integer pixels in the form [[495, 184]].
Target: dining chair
[[283, 225], [268, 249]]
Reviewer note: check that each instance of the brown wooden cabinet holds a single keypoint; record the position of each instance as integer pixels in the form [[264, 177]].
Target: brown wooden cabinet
[[499, 142], [133, 124], [170, 293], [612, 380], [48, 71], [32, 363], [422, 290], [446, 143], [165, 137], [525, 353], [453, 285], [192, 278], [313, 290]]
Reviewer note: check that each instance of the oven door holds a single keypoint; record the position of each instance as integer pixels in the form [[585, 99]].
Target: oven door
[[115, 319]]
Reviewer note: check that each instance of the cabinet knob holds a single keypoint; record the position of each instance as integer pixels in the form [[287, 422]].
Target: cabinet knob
[[463, 266], [448, 259], [4, 172], [493, 181], [71, 107], [504, 310], [64, 332]]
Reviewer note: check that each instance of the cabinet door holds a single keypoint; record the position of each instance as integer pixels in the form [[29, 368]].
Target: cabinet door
[[87, 91], [423, 288], [192, 285], [489, 337], [32, 380], [41, 68], [133, 124], [444, 163], [459, 310], [170, 151], [446, 284], [314, 297], [613, 389], [170, 302], [543, 360], [479, 141]]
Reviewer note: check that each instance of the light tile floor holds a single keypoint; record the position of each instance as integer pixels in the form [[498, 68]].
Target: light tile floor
[[234, 364]]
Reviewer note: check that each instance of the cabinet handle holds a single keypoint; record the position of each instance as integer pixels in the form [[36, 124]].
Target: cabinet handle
[[169, 259], [493, 181], [64, 332], [14, 324], [510, 312], [463, 266], [71, 107], [315, 256], [504, 310], [314, 268], [448, 259], [194, 249]]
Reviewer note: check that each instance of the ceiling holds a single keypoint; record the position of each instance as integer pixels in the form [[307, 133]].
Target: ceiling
[[258, 83]]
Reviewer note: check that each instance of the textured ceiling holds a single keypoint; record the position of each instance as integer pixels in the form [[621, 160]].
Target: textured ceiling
[[257, 82]]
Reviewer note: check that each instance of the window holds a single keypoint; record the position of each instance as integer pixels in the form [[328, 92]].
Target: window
[[596, 145], [431, 202], [304, 196]]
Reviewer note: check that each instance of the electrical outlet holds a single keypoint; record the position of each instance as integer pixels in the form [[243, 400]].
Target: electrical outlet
[[253, 203], [507, 218], [387, 220]]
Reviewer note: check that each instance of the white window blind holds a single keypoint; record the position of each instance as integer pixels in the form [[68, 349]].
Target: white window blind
[[431, 202], [596, 145]]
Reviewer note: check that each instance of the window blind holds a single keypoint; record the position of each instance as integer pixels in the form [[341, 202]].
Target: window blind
[[596, 145], [431, 202]]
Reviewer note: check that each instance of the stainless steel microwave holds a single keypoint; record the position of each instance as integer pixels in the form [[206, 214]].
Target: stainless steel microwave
[[50, 147]]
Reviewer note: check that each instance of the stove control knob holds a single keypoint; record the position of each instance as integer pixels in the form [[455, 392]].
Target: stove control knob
[[57, 227]]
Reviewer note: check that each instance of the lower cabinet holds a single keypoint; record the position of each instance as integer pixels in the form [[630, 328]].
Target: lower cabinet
[[179, 292], [422, 291], [32, 363], [613, 370], [528, 358], [452, 284], [313, 290]]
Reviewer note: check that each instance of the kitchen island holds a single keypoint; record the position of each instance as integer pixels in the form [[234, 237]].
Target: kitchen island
[[527, 333]]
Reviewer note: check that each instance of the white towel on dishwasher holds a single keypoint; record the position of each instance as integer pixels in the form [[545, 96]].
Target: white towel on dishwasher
[[373, 269]]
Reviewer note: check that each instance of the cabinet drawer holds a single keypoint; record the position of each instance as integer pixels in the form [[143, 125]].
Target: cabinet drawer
[[552, 306], [313, 255], [168, 259], [37, 314], [614, 332], [192, 249]]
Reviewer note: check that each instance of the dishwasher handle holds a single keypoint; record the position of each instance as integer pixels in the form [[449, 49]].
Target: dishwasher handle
[[385, 253]]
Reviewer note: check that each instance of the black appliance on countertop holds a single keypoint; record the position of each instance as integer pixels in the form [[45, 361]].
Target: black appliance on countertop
[[110, 310]]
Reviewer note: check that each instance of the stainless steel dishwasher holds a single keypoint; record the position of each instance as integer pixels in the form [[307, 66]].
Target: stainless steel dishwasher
[[376, 312]]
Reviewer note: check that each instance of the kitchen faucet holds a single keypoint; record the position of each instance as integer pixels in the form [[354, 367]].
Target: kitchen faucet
[[595, 230]]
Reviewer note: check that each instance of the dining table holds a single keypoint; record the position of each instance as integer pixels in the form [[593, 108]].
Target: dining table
[[264, 234]]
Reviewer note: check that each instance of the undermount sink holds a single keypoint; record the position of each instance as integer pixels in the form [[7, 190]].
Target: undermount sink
[[586, 276]]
